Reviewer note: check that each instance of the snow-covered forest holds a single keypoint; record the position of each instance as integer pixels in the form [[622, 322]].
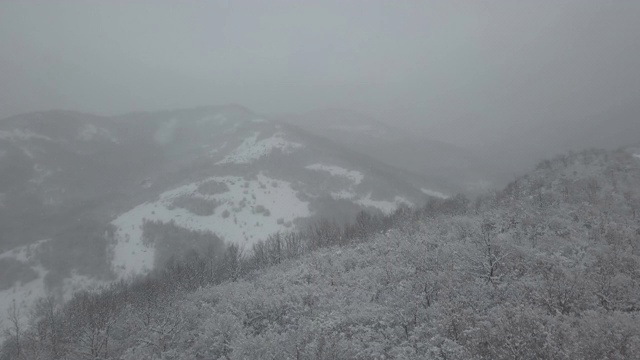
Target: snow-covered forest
[[547, 268]]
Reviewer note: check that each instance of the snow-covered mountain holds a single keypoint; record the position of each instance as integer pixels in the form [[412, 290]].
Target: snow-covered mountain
[[447, 166], [81, 196]]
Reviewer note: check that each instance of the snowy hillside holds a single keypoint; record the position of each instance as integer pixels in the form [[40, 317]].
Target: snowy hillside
[[243, 213], [89, 185], [447, 167], [547, 268]]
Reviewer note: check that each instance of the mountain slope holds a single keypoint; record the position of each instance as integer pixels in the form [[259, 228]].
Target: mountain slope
[[449, 168], [83, 198]]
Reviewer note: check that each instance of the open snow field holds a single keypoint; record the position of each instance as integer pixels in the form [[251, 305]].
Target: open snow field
[[26, 294], [239, 217], [434, 193], [355, 176]]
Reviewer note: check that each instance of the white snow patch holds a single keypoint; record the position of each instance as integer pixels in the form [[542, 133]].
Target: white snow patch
[[343, 194], [77, 282], [130, 255], [251, 149], [24, 294], [355, 176], [243, 225], [23, 253], [386, 207], [88, 132], [434, 193], [636, 156]]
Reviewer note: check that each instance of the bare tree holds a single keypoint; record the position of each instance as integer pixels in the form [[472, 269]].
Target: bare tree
[[94, 316], [232, 262], [49, 328], [15, 331]]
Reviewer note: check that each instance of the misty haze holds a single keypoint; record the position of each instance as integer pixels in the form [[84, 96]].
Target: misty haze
[[319, 180]]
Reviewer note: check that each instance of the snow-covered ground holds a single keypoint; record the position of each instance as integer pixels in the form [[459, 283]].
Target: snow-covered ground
[[234, 220], [434, 193], [77, 282], [385, 206], [343, 194], [88, 132], [355, 176], [23, 253], [253, 149], [24, 294], [130, 255]]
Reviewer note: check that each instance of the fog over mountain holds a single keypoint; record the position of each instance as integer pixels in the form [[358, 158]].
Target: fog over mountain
[[321, 179], [465, 72]]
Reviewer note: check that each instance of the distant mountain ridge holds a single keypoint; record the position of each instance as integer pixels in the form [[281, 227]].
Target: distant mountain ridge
[[452, 168]]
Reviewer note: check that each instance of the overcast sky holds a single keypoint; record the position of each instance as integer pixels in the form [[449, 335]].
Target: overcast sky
[[463, 70]]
